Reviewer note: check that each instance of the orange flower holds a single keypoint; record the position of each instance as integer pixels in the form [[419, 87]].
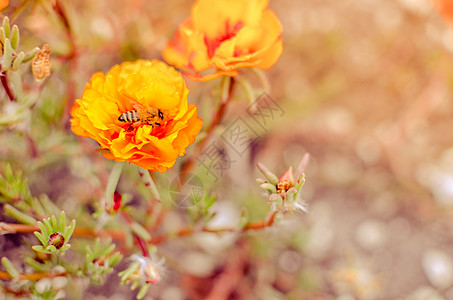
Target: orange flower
[[226, 35], [446, 8], [138, 112], [4, 4]]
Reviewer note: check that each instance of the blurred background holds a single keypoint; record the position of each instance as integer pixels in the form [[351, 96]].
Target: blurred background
[[365, 87]]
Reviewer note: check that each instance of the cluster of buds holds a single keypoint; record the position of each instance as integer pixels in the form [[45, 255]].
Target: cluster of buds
[[284, 192], [12, 58], [54, 234], [100, 260], [143, 271]]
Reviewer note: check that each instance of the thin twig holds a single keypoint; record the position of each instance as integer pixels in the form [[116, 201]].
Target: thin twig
[[71, 57], [4, 80], [139, 240], [215, 121], [11, 228], [30, 276]]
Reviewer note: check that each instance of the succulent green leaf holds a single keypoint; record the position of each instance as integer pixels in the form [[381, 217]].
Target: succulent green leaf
[[30, 55], [140, 231], [107, 250], [39, 248], [52, 248], [65, 247], [15, 38], [62, 223], [115, 258], [48, 225], [54, 223], [7, 55], [70, 230], [290, 195], [18, 215], [2, 35], [10, 268], [135, 285], [36, 206], [6, 26], [42, 238], [143, 290], [129, 271], [271, 177], [36, 265], [269, 187], [44, 230]]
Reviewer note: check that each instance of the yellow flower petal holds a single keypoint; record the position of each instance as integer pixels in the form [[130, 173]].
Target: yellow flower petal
[[136, 87], [224, 36]]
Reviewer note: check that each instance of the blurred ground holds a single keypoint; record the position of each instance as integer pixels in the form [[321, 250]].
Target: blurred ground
[[366, 89]]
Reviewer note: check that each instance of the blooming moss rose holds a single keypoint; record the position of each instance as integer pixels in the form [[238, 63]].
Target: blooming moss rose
[[225, 36], [148, 84]]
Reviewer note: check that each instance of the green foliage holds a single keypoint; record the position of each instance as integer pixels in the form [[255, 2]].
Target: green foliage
[[20, 204], [10, 39], [200, 211], [100, 260], [13, 187], [10, 268]]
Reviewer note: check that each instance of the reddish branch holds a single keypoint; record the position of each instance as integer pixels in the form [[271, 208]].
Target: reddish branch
[[30, 276], [4, 80], [139, 240], [215, 121], [71, 57], [10, 228]]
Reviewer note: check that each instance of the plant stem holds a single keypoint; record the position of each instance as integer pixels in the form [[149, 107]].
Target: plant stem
[[4, 80], [139, 240], [30, 276], [188, 165], [10, 228], [71, 57]]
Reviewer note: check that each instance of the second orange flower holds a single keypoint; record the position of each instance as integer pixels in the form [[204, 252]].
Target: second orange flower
[[223, 36]]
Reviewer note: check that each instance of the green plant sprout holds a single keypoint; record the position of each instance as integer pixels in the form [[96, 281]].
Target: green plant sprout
[[100, 260], [54, 235]]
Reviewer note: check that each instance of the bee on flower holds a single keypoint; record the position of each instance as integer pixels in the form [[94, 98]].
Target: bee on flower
[[223, 36], [138, 112]]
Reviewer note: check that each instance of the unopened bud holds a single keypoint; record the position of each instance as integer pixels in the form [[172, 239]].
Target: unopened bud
[[56, 239], [41, 63], [117, 200]]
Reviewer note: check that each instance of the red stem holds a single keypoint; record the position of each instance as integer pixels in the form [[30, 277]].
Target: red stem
[[4, 80]]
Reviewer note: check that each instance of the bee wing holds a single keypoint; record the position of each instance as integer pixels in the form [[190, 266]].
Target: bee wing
[[137, 106]]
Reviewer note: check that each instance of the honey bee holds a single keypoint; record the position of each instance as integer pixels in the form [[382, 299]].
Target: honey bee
[[142, 115]]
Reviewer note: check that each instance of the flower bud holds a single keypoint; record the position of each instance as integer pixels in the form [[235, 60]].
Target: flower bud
[[56, 239]]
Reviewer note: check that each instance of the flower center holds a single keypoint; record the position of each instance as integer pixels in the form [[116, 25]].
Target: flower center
[[230, 32], [283, 186]]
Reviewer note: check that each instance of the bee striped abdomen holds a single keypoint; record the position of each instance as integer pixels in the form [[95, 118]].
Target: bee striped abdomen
[[129, 117]]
